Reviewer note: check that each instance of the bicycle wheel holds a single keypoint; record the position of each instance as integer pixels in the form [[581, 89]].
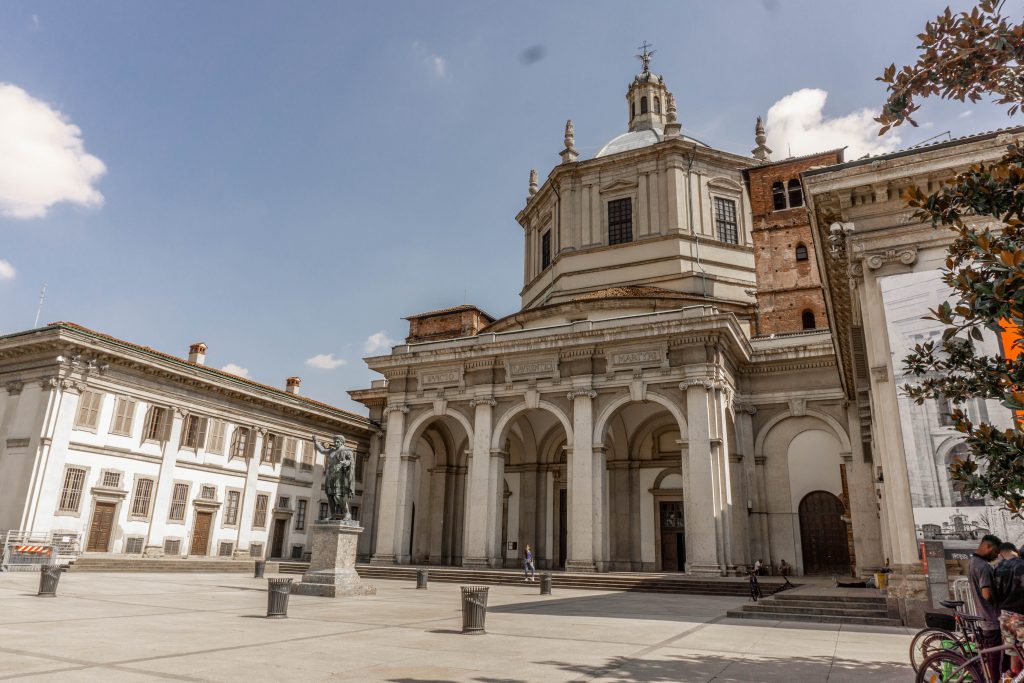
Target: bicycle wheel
[[931, 640], [949, 667]]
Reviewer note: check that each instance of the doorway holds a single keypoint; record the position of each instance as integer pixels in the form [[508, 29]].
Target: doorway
[[563, 536], [99, 530], [277, 545], [823, 534], [201, 534], [673, 543]]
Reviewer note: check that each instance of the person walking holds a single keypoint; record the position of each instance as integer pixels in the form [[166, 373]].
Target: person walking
[[529, 570], [1008, 583], [981, 575]]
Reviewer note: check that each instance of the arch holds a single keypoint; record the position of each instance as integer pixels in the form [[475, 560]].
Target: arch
[[423, 421], [643, 104], [724, 183], [807, 320], [801, 252], [665, 474], [833, 424], [778, 196], [601, 423], [505, 421]]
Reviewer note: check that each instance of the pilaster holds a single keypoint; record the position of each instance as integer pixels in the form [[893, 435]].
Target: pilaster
[[154, 546], [581, 489], [389, 530], [703, 519]]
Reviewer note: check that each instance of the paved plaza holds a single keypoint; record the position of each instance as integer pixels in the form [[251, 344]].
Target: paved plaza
[[192, 627]]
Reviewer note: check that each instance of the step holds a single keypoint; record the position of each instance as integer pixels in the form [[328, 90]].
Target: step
[[799, 596], [836, 611], [815, 618], [822, 602]]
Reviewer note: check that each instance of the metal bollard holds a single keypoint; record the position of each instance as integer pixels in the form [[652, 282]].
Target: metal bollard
[[545, 583], [474, 609], [421, 578], [278, 591], [261, 566], [48, 578]]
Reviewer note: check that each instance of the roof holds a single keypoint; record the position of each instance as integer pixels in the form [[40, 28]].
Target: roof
[[629, 291], [789, 160], [636, 139], [974, 137], [453, 309], [204, 368]]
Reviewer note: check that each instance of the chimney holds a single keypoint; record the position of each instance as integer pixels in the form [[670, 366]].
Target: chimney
[[292, 385], [197, 353]]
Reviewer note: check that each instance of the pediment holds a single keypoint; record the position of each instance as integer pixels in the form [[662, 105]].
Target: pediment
[[619, 185]]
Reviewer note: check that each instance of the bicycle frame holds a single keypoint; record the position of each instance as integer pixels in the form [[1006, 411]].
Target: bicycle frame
[[978, 659]]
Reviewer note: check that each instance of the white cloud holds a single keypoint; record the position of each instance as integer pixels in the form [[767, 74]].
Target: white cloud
[[438, 64], [966, 113], [235, 369], [379, 341], [7, 271], [325, 361], [42, 158], [797, 125], [35, 22]]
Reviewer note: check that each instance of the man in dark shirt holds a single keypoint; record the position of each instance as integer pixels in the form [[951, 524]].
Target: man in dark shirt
[[1009, 588], [980, 572]]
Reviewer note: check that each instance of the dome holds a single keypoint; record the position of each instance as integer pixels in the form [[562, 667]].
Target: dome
[[636, 139]]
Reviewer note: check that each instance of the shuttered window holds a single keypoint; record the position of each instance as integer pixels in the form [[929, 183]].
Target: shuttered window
[[179, 498], [88, 410], [193, 434], [272, 448], [240, 443], [124, 415], [259, 517], [71, 492], [158, 424], [307, 456], [290, 447], [142, 497], [216, 443]]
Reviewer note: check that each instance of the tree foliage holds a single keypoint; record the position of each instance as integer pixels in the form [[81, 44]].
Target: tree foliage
[[966, 56]]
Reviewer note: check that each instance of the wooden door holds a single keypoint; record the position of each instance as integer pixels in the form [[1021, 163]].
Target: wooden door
[[99, 530], [823, 534], [277, 547], [563, 536], [201, 534], [673, 551]]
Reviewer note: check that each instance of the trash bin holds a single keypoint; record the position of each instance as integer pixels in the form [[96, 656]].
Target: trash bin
[[421, 578], [474, 609], [261, 566], [48, 578], [278, 591], [881, 580], [545, 583]]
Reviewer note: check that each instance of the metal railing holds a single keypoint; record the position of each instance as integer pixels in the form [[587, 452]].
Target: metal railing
[[962, 591], [28, 551]]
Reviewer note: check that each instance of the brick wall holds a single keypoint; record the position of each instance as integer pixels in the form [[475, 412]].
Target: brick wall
[[461, 321]]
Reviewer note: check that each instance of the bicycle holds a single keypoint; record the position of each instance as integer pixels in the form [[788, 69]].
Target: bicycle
[[956, 632], [949, 666], [755, 587]]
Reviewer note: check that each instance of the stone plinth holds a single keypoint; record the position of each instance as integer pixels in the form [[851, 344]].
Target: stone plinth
[[332, 567]]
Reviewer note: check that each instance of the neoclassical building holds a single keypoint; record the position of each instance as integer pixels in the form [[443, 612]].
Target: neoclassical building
[[631, 415]]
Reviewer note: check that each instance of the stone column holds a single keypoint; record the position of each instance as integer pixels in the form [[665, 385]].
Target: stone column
[[388, 518], [740, 545], [749, 507], [723, 479], [247, 512], [581, 489], [675, 195], [761, 482], [867, 539], [438, 482], [496, 505], [479, 505], [602, 551], [55, 411], [702, 517], [154, 546], [407, 486], [368, 512]]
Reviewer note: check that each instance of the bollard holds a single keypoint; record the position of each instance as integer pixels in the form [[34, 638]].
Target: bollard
[[545, 583], [261, 566], [421, 578], [474, 609], [278, 591], [48, 578]]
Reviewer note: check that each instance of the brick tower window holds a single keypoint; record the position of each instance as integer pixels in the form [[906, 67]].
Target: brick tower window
[[807, 318], [796, 194], [620, 221], [778, 196], [801, 252]]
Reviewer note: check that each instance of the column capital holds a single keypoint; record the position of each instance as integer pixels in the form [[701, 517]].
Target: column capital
[[705, 382], [760, 460], [399, 407], [483, 401], [499, 453], [742, 407], [14, 388], [583, 392]]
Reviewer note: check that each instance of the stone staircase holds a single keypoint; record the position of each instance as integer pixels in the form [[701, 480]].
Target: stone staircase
[[821, 606], [609, 581], [115, 563]]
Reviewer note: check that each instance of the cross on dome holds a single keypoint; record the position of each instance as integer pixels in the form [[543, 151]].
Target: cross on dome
[[645, 56]]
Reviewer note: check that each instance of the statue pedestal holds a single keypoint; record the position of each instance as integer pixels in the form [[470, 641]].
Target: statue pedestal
[[332, 569]]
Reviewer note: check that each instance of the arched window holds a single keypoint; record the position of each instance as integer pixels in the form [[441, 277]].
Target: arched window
[[632, 114], [643, 105], [657, 105], [801, 252], [807, 318], [796, 194], [778, 195]]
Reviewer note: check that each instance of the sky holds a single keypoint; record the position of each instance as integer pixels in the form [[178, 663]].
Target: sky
[[286, 181]]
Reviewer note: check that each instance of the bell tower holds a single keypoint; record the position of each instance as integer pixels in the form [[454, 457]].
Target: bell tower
[[647, 97]]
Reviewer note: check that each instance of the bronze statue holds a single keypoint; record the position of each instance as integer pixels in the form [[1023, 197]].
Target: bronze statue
[[339, 475]]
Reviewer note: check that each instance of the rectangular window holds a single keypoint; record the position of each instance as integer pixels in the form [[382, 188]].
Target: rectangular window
[[240, 443], [179, 497], [193, 432], [300, 515], [324, 509], [71, 492], [158, 424], [725, 220], [296, 552], [226, 549], [355, 512], [255, 550], [88, 410], [231, 508], [259, 517], [208, 493], [545, 250], [216, 444], [172, 546], [111, 479], [133, 545], [290, 448], [142, 497], [360, 464], [284, 502], [945, 412], [307, 455], [620, 221], [271, 449], [124, 414]]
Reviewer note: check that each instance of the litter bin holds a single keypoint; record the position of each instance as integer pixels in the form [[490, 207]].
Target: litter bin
[[48, 578], [261, 566], [881, 580], [278, 591], [421, 578], [545, 583], [474, 609]]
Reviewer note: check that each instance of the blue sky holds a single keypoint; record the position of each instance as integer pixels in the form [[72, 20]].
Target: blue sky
[[285, 180]]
